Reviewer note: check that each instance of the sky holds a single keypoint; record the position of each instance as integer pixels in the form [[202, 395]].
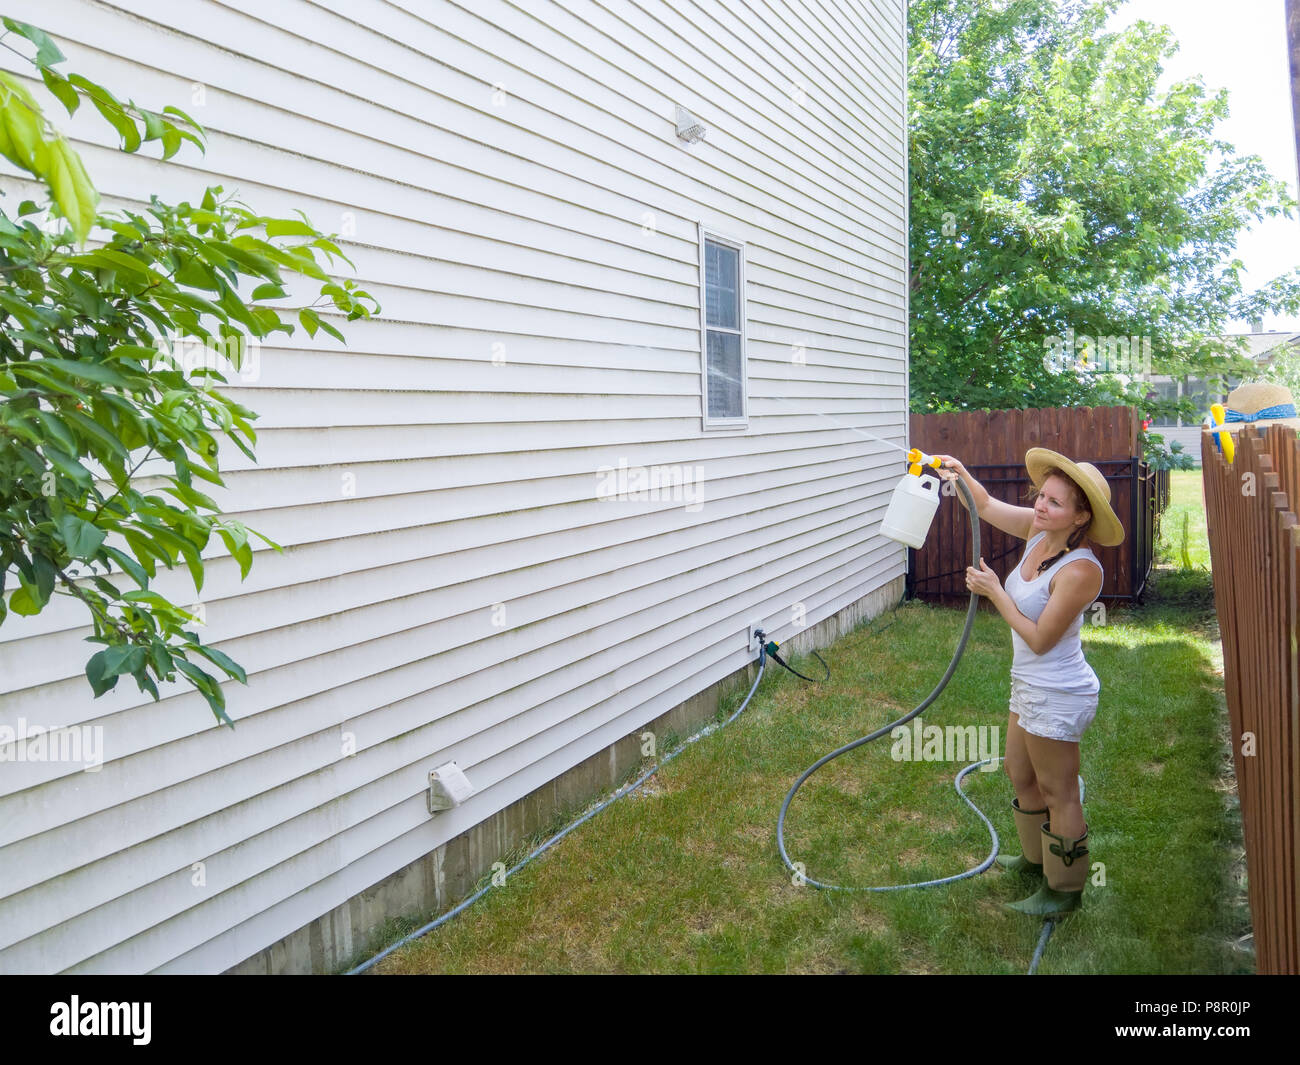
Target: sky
[[1240, 45]]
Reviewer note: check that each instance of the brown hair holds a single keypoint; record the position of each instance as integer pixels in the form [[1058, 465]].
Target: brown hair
[[1080, 503]]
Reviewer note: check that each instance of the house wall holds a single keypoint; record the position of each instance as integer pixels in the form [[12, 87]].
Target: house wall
[[508, 183]]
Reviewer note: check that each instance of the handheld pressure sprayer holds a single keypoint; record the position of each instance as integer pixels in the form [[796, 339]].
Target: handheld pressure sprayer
[[914, 502]]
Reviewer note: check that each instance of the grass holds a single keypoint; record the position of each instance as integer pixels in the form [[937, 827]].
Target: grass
[[1182, 545], [684, 877]]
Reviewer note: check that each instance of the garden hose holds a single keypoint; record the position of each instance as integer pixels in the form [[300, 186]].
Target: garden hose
[[885, 730], [802, 877]]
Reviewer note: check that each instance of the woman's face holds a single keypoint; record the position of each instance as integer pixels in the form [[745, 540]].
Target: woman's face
[[1055, 508]]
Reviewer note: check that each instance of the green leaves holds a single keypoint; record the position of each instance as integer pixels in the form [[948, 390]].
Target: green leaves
[[22, 136], [62, 89], [281, 227], [47, 52], [25, 602], [113, 111], [26, 141], [108, 361], [71, 187], [82, 539], [29, 142]]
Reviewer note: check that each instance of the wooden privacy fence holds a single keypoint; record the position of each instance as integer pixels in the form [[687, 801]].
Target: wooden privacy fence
[[992, 444], [1255, 558]]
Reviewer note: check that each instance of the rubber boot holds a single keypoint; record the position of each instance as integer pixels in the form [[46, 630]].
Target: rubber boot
[[1029, 827], [1065, 866]]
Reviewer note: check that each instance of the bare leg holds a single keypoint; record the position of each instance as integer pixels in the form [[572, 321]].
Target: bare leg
[[1019, 768], [1056, 768]]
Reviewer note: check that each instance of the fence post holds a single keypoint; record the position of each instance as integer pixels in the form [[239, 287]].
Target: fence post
[[1134, 559]]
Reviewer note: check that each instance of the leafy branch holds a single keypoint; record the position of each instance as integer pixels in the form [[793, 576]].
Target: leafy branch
[[92, 387]]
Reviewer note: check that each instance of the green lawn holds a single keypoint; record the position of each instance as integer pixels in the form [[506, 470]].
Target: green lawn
[[1183, 541], [684, 876]]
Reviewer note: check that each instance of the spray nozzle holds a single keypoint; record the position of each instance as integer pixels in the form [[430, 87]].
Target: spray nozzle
[[918, 458]]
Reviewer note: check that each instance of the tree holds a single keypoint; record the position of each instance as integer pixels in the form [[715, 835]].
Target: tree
[[93, 382], [1061, 205], [1284, 367]]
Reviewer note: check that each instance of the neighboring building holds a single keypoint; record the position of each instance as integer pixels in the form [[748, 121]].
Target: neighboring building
[[1262, 347], [573, 296]]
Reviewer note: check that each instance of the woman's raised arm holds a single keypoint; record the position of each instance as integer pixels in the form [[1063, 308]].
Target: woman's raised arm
[[1018, 521]]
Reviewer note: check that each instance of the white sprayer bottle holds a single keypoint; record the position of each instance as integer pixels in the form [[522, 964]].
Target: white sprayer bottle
[[915, 499]]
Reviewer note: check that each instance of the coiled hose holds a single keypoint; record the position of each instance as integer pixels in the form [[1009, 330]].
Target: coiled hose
[[887, 729]]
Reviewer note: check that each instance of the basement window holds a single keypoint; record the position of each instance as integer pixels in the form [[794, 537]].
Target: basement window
[[722, 326]]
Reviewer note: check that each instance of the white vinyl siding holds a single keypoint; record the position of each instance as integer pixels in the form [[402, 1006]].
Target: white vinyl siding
[[452, 586]]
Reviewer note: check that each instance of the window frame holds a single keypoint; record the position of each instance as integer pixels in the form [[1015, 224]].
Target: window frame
[[707, 235]]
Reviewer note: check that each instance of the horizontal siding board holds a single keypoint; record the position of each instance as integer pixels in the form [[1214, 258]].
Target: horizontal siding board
[[457, 143], [571, 476], [734, 47], [112, 169], [572, 472], [463, 105], [261, 168], [563, 73]]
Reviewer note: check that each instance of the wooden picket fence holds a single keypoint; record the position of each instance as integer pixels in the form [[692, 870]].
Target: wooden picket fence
[[1251, 507], [992, 445]]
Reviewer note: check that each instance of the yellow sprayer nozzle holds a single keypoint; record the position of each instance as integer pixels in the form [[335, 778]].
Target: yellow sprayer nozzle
[[918, 458]]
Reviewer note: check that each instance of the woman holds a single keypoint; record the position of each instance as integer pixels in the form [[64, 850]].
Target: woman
[[1053, 689]]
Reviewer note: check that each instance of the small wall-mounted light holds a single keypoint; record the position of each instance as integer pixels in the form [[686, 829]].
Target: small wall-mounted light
[[689, 128]]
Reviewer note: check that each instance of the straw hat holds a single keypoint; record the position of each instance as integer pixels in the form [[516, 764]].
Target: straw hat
[[1105, 528], [1257, 403]]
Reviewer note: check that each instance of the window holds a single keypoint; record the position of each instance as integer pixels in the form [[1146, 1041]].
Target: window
[[1164, 390], [722, 325], [1198, 391]]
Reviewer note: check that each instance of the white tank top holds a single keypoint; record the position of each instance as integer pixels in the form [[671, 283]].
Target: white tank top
[[1063, 668]]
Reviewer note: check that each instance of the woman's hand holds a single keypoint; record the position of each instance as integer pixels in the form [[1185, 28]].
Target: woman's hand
[[982, 581], [954, 470], [954, 467]]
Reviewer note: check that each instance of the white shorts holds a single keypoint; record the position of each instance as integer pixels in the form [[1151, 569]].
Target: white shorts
[[1054, 715]]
